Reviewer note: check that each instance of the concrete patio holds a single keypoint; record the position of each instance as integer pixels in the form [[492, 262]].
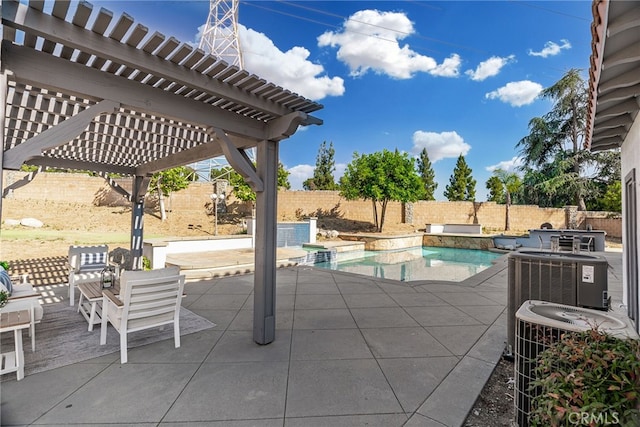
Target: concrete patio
[[349, 350]]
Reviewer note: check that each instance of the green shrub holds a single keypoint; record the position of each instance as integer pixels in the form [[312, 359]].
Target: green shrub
[[4, 298], [588, 379]]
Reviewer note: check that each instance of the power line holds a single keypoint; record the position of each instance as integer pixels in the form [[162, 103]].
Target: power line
[[414, 47], [557, 12], [431, 39]]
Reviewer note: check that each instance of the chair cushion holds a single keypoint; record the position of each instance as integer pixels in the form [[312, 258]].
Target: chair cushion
[[93, 261], [5, 280], [87, 276], [23, 289]]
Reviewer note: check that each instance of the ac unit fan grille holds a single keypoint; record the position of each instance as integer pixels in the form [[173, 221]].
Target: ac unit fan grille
[[532, 340]]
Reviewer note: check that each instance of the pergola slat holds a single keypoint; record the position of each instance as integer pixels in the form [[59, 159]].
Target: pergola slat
[[60, 9], [122, 26], [102, 21]]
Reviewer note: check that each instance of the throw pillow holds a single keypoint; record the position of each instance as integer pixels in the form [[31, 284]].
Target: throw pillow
[[5, 280], [93, 261]]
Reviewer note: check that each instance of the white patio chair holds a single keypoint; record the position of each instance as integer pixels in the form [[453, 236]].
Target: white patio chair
[[586, 243], [148, 299], [85, 265]]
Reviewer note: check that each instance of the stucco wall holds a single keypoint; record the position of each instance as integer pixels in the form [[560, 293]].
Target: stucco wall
[[630, 161], [292, 205]]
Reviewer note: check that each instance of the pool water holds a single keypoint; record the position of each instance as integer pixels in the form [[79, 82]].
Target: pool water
[[425, 263]]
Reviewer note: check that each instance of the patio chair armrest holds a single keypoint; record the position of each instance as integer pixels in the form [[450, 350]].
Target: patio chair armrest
[[26, 296], [20, 278], [72, 268], [111, 297]]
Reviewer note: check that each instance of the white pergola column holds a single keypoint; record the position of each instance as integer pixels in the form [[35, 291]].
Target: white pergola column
[[264, 299]]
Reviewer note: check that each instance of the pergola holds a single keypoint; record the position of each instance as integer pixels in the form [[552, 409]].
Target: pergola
[[86, 91]]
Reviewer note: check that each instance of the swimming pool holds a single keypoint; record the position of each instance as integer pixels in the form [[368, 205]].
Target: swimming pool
[[425, 263]]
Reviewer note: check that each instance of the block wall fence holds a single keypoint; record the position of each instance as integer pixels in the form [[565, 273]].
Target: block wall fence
[[292, 205]]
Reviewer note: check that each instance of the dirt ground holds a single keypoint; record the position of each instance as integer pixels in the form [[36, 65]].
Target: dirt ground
[[494, 407], [68, 224]]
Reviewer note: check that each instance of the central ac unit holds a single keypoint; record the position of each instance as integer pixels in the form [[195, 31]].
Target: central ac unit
[[572, 279], [539, 325]]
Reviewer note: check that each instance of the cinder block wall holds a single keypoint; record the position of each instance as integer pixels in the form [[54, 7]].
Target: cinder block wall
[[296, 204], [82, 188]]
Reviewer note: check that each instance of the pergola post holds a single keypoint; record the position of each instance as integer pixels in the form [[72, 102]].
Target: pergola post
[[264, 299], [3, 108], [138, 192]]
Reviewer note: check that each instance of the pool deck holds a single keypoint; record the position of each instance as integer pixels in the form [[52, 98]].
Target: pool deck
[[349, 350]]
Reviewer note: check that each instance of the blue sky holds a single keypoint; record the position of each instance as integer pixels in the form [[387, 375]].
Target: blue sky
[[454, 77]]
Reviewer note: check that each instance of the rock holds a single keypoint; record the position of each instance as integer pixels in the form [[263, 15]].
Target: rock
[[332, 234], [31, 222], [12, 222]]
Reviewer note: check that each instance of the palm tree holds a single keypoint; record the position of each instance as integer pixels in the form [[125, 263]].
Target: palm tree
[[511, 183]]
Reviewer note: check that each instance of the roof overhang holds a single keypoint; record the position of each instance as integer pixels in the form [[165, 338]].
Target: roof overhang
[[614, 74], [83, 90]]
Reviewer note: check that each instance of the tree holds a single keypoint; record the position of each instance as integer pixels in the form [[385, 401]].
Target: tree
[[381, 177], [309, 185], [283, 177], [243, 191], [607, 180], [461, 186], [612, 199], [510, 183], [323, 172], [428, 176], [496, 189], [169, 181], [549, 135]]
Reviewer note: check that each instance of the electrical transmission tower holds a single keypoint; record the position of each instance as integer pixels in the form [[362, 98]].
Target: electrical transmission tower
[[220, 39], [220, 35]]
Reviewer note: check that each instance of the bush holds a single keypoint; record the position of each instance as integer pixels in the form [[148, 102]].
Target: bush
[[589, 379]]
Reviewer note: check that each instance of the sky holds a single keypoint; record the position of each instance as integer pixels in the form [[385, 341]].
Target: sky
[[454, 77]]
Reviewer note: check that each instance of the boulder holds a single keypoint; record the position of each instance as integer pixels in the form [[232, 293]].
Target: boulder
[[31, 222]]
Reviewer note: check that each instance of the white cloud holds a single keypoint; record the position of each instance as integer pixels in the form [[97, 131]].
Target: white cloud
[[298, 174], [439, 145], [517, 93], [489, 68], [291, 69], [369, 40], [506, 165], [551, 49]]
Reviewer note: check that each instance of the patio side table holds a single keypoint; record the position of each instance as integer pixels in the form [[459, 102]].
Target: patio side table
[[16, 321], [90, 298]]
